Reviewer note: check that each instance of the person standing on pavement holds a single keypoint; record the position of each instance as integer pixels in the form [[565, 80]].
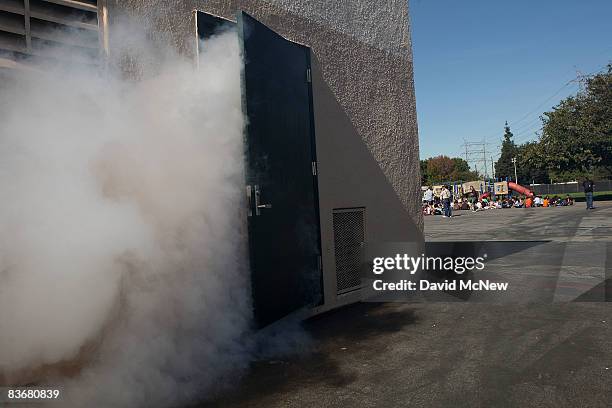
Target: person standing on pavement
[[428, 196], [473, 197], [445, 195], [588, 192]]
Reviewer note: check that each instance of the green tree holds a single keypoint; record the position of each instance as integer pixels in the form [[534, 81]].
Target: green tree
[[504, 166], [530, 167], [424, 174], [443, 168], [577, 133], [440, 169], [462, 170]]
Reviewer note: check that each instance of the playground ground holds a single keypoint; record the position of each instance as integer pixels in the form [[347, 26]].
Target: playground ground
[[549, 347], [560, 224], [599, 195]]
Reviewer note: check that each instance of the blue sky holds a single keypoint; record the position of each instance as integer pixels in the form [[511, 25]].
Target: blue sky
[[479, 63]]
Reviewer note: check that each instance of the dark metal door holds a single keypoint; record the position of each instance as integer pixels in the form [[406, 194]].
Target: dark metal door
[[209, 25], [283, 222]]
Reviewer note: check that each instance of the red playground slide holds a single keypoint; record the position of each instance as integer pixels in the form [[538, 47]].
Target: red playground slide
[[520, 189]]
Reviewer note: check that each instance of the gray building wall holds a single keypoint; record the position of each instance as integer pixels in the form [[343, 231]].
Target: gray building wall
[[363, 94]]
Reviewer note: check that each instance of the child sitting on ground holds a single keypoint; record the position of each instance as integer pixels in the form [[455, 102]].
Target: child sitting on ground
[[437, 209], [538, 202]]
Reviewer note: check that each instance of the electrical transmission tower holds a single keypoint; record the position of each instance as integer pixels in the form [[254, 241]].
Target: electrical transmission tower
[[476, 156]]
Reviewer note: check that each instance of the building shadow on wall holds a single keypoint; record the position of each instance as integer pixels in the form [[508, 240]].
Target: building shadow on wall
[[349, 175]]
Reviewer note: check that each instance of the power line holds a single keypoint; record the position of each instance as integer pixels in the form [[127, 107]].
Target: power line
[[526, 125], [526, 130], [528, 135], [542, 104], [579, 77]]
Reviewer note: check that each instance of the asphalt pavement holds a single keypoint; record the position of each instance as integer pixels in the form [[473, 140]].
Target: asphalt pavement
[[547, 345]]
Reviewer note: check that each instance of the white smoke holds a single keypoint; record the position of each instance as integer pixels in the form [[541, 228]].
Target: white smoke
[[121, 237]]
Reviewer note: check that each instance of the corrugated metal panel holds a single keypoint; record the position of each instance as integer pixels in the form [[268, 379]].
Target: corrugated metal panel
[[68, 16], [46, 30], [81, 5], [12, 6], [12, 42], [12, 23], [64, 30]]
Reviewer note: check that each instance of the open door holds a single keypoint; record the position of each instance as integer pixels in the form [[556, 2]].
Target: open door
[[283, 217], [208, 25]]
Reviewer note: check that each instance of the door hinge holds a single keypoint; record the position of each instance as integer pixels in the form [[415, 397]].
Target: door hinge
[[314, 168], [320, 262], [308, 75]]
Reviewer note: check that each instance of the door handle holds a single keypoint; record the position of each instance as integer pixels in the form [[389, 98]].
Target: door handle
[[258, 205]]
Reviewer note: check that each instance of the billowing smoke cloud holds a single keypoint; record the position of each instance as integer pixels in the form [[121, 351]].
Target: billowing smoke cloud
[[122, 259]]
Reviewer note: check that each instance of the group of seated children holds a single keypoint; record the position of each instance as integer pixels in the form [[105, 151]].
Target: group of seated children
[[488, 203], [485, 202], [435, 207], [554, 201]]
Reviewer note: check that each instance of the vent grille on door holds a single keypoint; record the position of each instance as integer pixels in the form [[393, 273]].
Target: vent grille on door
[[37, 30], [349, 235]]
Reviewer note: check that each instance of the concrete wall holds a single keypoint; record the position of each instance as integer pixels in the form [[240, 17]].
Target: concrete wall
[[363, 94]]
